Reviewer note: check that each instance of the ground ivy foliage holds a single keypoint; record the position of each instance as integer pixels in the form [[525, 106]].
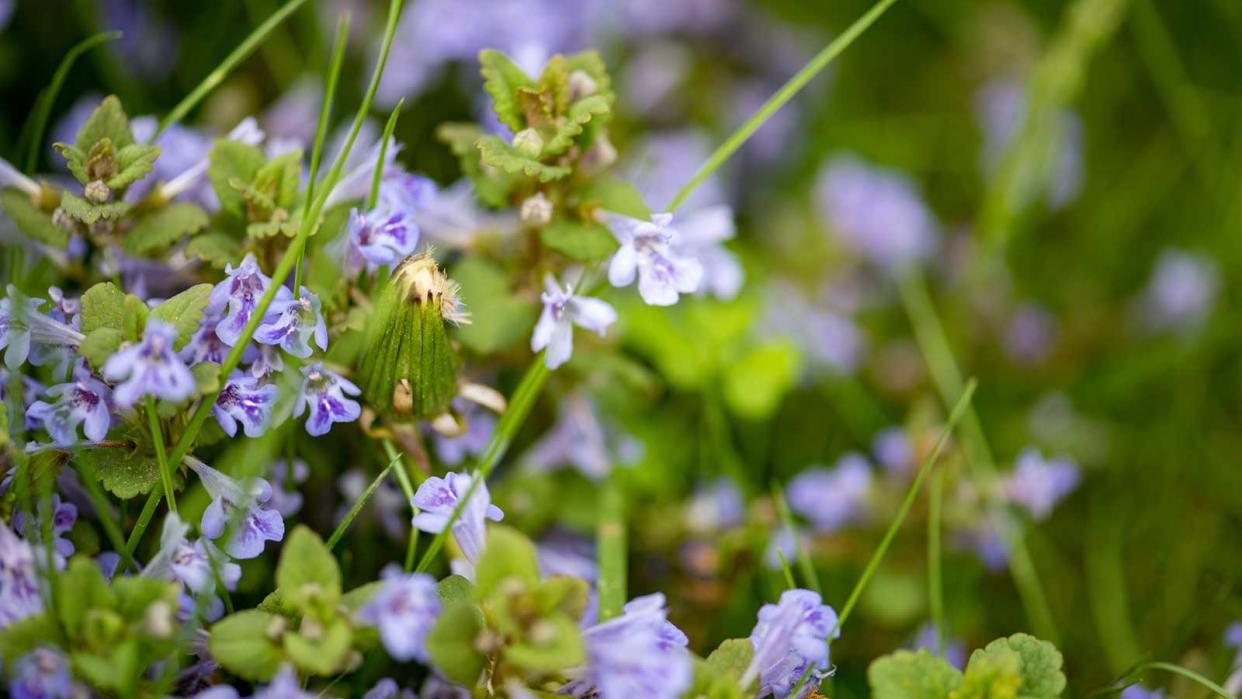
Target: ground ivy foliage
[[1020, 666]]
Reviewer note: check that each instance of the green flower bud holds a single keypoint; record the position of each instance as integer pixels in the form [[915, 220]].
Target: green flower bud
[[528, 142], [408, 367]]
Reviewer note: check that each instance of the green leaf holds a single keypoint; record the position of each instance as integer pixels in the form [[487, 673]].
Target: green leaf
[[585, 242], [206, 377], [618, 196], [994, 675], [100, 344], [88, 213], [502, 79], [24, 635], [184, 311], [136, 313], [123, 472], [592, 64], [107, 121], [324, 652], [909, 675], [710, 683], [280, 178], [732, 657], [81, 588], [134, 594], [32, 221], [307, 571], [576, 119], [233, 160], [133, 162], [116, 668], [491, 186], [451, 643], [44, 467], [1040, 664], [360, 595], [214, 247], [497, 153], [163, 227], [454, 589], [559, 646], [508, 555], [243, 644], [499, 318], [275, 603], [103, 306], [755, 383]]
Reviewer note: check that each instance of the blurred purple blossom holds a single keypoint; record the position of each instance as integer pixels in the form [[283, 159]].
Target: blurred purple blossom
[[926, 638], [1182, 290], [19, 581], [480, 423], [387, 505], [791, 636], [638, 654], [149, 42], [715, 506], [823, 331], [877, 213], [437, 498], [404, 610], [1001, 109], [238, 510], [149, 368], [832, 497], [1031, 333], [581, 440], [286, 499], [1038, 484], [893, 451], [62, 515], [25, 330], [43, 673], [648, 252]]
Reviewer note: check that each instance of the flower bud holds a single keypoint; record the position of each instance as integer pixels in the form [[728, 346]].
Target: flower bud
[[581, 85], [408, 367], [536, 210], [97, 191], [528, 142]]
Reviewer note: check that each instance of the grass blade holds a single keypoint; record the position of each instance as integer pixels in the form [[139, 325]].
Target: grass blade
[[1133, 676], [360, 503], [959, 410], [805, 564], [215, 77], [935, 580], [391, 126], [161, 458], [611, 543], [47, 97], [778, 100]]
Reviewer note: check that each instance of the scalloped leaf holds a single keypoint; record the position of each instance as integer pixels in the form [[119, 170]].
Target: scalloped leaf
[[214, 247], [163, 227], [184, 311], [502, 79], [133, 162], [31, 220], [910, 675], [501, 155], [103, 306], [1040, 664], [107, 121], [576, 119], [229, 161], [241, 644], [88, 213]]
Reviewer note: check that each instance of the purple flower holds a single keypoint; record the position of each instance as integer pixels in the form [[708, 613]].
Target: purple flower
[[893, 451], [83, 402], [64, 514], [1038, 484], [1030, 334], [22, 323], [285, 498], [827, 335], [387, 688], [562, 310], [927, 638], [404, 610], [206, 346], [291, 322], [831, 498], [789, 637], [715, 506], [782, 544], [1233, 639], [150, 367], [1138, 691], [1001, 109], [877, 213], [323, 392], [436, 500], [579, 439], [240, 294], [231, 503], [381, 237], [268, 362], [647, 251], [388, 505], [638, 654], [703, 233], [284, 685], [480, 423], [19, 582], [43, 673], [246, 400], [1182, 290], [190, 563]]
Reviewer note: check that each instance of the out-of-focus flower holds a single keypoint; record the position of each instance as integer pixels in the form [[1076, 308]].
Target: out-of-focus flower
[[244, 399], [831, 497], [703, 233], [1001, 108], [324, 393], [876, 213], [284, 685], [19, 582], [926, 638], [789, 637], [579, 439], [638, 654], [826, 334], [1038, 484], [1030, 334], [387, 688], [290, 323], [715, 506], [893, 451], [435, 687], [388, 504], [23, 324], [1182, 290], [784, 543], [63, 515], [242, 507], [83, 402], [562, 310], [1138, 691], [404, 610], [190, 563], [437, 498], [239, 293], [648, 252], [205, 345], [480, 423], [43, 673], [285, 496], [150, 368], [148, 44]]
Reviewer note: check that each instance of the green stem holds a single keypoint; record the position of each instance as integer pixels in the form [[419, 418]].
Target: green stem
[[378, 175], [103, 510], [1132, 677], [787, 572], [805, 564], [935, 581], [143, 521], [934, 345], [157, 436], [778, 100], [611, 543], [403, 479], [47, 98], [506, 428], [959, 410], [360, 503], [215, 77]]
